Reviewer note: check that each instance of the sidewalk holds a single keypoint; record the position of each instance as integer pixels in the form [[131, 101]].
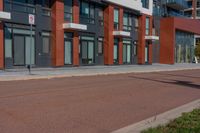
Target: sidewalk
[[48, 73]]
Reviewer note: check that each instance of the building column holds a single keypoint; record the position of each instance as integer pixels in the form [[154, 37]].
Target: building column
[[121, 14], [150, 53], [151, 43], [141, 41], [108, 35], [167, 41], [76, 36], [1, 40], [76, 49], [57, 33], [194, 11]]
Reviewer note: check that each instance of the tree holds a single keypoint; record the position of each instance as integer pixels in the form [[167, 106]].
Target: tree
[[197, 51]]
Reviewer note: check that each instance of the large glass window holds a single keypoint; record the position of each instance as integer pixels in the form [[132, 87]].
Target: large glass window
[[127, 22], [116, 19], [126, 51], [68, 48], [116, 51], [8, 43], [87, 12], [68, 4], [147, 25], [100, 46], [87, 50], [100, 15], [45, 42], [26, 6], [145, 4], [184, 50]]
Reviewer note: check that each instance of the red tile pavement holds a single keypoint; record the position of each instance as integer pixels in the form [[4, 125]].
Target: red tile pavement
[[96, 104]]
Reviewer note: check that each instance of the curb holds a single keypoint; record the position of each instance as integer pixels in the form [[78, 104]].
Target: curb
[[36, 77], [160, 119]]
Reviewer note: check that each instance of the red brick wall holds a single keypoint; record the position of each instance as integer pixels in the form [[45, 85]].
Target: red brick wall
[[167, 41], [150, 43], [76, 36], [141, 41], [108, 35], [121, 14], [167, 35], [1, 40], [58, 33], [76, 49], [194, 11], [75, 11]]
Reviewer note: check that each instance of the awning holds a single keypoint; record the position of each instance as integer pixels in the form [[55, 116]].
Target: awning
[[152, 37], [121, 33], [74, 26], [4, 15]]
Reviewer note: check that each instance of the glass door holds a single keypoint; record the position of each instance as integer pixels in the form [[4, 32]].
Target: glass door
[[30, 50], [87, 52], [127, 52], [19, 48], [116, 51], [146, 54], [68, 52]]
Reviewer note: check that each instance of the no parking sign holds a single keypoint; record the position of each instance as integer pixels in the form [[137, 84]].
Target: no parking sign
[[31, 19]]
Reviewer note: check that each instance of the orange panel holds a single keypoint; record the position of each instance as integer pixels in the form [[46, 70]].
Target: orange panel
[[58, 33], [75, 11], [76, 49], [141, 41], [108, 35]]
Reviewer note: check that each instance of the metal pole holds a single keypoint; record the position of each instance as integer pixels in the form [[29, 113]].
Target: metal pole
[[31, 49]]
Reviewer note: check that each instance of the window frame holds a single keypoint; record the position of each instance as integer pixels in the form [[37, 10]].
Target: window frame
[[128, 26], [116, 24], [91, 9]]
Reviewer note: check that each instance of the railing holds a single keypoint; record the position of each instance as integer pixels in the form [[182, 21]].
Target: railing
[[19, 7], [175, 14], [157, 11], [183, 3]]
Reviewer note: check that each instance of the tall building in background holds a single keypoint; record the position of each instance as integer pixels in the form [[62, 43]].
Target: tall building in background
[[175, 21]]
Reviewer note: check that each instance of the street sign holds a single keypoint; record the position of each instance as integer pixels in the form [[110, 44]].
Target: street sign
[[31, 19]]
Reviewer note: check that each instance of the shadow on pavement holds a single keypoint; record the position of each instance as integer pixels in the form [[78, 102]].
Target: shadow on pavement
[[176, 75], [174, 82]]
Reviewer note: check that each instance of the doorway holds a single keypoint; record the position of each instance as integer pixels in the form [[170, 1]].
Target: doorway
[[24, 52], [87, 52]]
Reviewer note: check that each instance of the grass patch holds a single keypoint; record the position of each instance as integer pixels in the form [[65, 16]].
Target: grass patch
[[187, 123]]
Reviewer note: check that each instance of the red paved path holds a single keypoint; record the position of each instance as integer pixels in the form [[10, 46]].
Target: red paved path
[[97, 104]]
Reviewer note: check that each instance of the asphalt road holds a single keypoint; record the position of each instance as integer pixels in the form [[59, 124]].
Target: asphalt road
[[96, 104]]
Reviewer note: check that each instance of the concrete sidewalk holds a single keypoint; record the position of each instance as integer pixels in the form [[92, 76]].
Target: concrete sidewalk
[[48, 73]]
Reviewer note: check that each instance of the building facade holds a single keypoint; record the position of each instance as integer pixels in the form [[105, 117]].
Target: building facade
[[178, 28], [76, 32]]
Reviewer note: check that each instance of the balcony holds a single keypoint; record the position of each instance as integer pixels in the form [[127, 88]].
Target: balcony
[[176, 14], [177, 4], [5, 15], [122, 33], [74, 26], [19, 7]]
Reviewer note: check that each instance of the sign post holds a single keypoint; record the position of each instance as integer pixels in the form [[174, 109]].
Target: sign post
[[31, 22]]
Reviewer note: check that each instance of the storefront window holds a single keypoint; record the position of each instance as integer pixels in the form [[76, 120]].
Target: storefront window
[[45, 42], [116, 19], [87, 12], [68, 4], [184, 50], [127, 22], [147, 25]]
